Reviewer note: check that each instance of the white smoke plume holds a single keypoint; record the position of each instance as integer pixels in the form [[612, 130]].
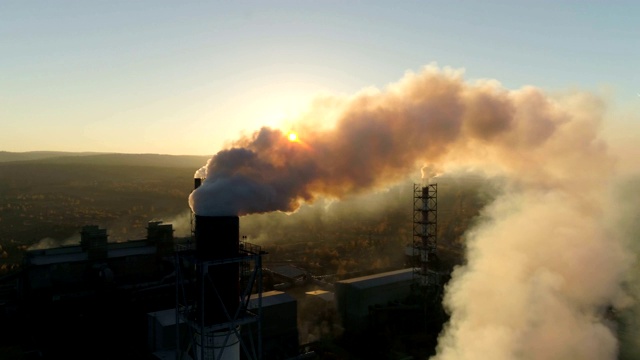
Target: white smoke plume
[[47, 242], [540, 275]]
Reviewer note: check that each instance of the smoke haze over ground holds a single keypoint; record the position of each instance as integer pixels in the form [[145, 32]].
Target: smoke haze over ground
[[625, 217], [545, 265]]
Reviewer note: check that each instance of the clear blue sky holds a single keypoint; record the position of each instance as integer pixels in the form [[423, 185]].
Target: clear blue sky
[[183, 77]]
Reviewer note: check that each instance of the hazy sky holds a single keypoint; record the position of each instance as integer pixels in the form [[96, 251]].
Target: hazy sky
[[183, 77]]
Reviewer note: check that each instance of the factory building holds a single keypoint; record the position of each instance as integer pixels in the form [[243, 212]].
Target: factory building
[[279, 324], [71, 301], [279, 328], [162, 332], [355, 297], [286, 276], [97, 265]]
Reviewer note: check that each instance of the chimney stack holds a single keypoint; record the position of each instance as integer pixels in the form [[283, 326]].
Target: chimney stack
[[217, 238]]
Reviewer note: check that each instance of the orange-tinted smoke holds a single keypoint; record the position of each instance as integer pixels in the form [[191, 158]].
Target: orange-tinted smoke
[[430, 118]]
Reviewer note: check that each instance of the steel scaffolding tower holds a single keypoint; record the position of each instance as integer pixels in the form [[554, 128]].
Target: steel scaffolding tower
[[425, 228]]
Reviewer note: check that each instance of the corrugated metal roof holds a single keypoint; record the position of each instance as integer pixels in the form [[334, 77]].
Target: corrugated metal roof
[[141, 250], [379, 279], [58, 258], [270, 298], [322, 294], [75, 253], [288, 271]]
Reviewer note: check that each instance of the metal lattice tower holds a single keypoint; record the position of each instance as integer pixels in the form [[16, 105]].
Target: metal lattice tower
[[425, 228]]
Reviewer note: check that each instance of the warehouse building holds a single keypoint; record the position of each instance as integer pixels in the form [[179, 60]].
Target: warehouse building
[[355, 297]]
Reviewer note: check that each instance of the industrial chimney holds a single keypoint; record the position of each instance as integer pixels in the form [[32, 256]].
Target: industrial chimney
[[217, 239], [217, 284]]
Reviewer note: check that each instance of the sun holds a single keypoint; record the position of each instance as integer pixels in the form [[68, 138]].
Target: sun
[[295, 141]]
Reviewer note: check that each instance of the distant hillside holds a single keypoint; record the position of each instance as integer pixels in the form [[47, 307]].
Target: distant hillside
[[6, 156], [117, 159]]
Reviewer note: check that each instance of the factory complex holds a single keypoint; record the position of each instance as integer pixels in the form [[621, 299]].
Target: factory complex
[[203, 297]]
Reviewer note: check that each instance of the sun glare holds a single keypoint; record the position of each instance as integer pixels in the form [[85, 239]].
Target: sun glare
[[296, 143]]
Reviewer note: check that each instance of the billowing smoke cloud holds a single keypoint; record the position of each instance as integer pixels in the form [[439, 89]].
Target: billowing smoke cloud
[[540, 274], [378, 137]]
